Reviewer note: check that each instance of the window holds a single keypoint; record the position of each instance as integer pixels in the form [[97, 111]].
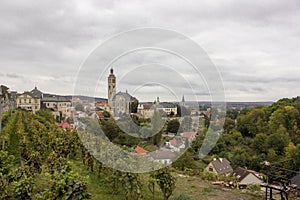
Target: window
[[29, 100]]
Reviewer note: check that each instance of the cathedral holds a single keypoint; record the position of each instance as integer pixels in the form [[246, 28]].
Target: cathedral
[[119, 103]]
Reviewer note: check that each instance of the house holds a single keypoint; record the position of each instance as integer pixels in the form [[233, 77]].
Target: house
[[176, 144], [296, 180], [166, 107], [162, 156], [189, 135], [140, 150], [219, 166], [59, 105], [246, 177], [102, 105], [30, 101], [145, 111]]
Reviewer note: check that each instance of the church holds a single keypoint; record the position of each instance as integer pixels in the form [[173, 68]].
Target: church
[[119, 103]]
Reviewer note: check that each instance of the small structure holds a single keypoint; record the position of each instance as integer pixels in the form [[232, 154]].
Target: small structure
[[246, 177], [219, 166], [140, 150], [65, 125], [296, 180], [189, 135], [162, 156], [176, 144]]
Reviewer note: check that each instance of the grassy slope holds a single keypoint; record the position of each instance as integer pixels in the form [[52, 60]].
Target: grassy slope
[[194, 186]]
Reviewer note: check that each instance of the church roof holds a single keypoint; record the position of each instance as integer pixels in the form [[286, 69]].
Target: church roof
[[126, 96]]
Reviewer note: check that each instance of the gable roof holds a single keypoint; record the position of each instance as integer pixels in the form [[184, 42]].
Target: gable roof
[[140, 150], [222, 166], [240, 173], [54, 98]]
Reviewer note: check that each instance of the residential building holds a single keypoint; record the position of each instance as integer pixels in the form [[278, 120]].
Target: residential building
[[166, 107], [246, 177], [59, 105], [30, 101], [219, 166], [140, 150], [164, 157], [145, 111], [190, 136]]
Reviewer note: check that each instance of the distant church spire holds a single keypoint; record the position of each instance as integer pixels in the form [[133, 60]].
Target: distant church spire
[[182, 103]]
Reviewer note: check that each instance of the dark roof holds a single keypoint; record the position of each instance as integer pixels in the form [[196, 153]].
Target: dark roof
[[55, 98], [127, 96], [29, 94], [164, 105], [240, 173], [222, 166], [157, 155], [36, 93]]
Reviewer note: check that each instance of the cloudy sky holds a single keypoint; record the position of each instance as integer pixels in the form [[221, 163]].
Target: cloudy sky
[[254, 44]]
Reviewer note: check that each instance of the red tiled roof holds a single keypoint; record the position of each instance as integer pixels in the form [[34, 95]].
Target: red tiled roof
[[173, 142], [100, 114], [65, 125], [140, 150], [188, 134]]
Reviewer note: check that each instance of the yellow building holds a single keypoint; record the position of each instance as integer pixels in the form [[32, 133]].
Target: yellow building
[[28, 101], [57, 104]]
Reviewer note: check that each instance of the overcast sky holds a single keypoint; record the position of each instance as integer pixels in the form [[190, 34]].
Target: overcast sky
[[255, 44]]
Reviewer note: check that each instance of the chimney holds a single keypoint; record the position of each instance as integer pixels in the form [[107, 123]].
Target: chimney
[[221, 160]]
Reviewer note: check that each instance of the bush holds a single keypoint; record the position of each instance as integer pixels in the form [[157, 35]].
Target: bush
[[183, 197]]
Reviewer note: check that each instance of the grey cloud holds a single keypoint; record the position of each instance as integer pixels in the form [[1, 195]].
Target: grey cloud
[[254, 43], [14, 75]]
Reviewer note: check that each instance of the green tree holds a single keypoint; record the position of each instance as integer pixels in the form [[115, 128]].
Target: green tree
[[278, 140], [173, 126], [133, 106], [79, 107], [166, 182]]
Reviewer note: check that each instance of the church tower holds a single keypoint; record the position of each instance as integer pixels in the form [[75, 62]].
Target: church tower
[[182, 103], [111, 87]]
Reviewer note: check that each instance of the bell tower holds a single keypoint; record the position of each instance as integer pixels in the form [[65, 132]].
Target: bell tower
[[111, 87]]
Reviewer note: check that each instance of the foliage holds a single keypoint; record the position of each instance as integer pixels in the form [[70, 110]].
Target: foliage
[[173, 126], [166, 182]]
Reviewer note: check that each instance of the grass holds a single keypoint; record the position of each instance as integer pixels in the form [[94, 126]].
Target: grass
[[194, 186]]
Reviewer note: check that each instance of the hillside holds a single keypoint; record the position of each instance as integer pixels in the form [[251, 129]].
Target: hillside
[[42, 161]]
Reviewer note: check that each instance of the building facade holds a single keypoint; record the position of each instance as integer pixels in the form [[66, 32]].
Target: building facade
[[60, 106], [29, 102], [121, 103]]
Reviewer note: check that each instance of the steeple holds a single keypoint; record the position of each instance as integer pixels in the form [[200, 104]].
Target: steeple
[[182, 103], [111, 87]]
